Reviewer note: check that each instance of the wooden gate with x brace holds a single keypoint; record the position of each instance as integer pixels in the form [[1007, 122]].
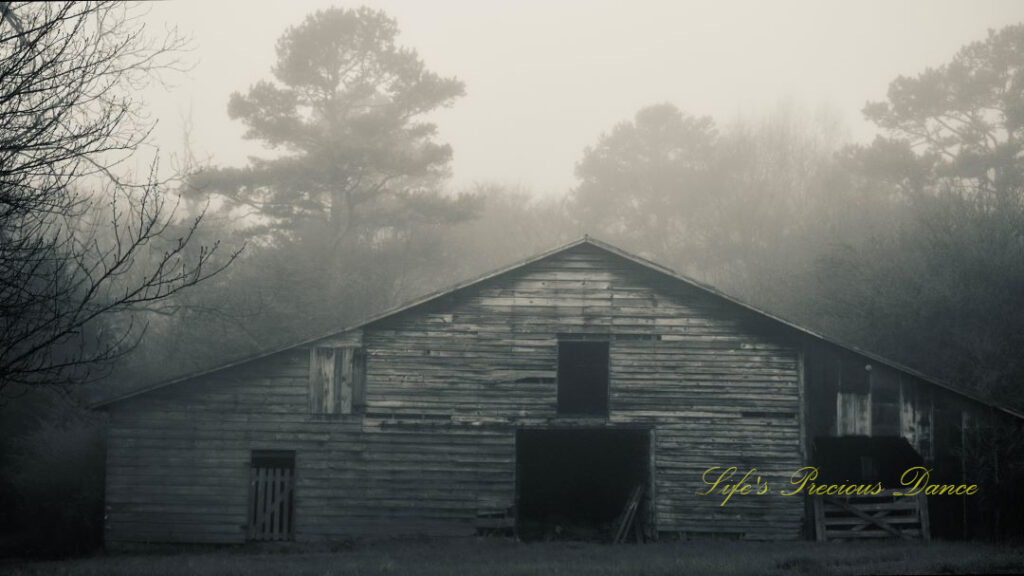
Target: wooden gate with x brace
[[884, 515]]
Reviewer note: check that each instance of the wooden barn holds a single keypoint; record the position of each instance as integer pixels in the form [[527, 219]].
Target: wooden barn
[[577, 390]]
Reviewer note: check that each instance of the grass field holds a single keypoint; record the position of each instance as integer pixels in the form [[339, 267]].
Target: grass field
[[495, 557]]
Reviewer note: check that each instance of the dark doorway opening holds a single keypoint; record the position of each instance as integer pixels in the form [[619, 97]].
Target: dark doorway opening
[[864, 459], [575, 483]]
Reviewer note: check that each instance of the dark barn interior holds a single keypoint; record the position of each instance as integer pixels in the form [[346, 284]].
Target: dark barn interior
[[574, 483], [864, 459]]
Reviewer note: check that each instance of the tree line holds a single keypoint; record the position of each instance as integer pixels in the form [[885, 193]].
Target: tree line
[[910, 245]]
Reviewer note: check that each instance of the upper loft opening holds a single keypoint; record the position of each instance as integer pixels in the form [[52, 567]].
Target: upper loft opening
[[583, 378]]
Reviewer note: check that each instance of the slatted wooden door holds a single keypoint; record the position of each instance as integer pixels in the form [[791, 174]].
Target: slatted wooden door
[[272, 491]]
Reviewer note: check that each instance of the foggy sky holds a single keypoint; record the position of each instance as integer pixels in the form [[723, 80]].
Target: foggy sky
[[545, 78]]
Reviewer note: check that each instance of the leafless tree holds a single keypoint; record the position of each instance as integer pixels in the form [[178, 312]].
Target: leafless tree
[[83, 245]]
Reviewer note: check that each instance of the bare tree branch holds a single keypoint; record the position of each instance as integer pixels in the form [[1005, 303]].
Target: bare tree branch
[[73, 281]]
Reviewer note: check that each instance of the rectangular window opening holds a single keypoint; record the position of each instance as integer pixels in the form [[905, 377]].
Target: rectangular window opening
[[583, 378], [337, 380]]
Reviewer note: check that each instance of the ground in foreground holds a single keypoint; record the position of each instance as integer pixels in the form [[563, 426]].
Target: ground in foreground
[[496, 557]]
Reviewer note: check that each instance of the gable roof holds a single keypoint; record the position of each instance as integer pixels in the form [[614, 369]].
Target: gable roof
[[585, 240]]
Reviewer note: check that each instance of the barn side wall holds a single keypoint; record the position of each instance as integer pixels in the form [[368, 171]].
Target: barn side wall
[[935, 422], [178, 463], [447, 385]]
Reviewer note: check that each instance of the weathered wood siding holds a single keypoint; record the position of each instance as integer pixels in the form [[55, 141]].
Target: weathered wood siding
[[891, 403], [683, 363], [447, 384], [178, 463], [178, 458]]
